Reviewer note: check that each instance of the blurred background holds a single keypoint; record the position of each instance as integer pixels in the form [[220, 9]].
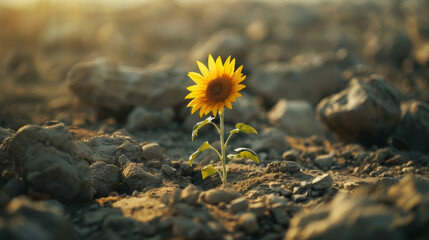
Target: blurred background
[[327, 42]]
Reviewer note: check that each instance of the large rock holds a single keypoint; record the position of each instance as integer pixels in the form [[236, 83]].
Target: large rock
[[116, 89], [105, 178], [139, 177], [296, 117], [403, 216], [142, 118], [46, 157], [26, 219], [307, 77], [367, 111], [413, 132]]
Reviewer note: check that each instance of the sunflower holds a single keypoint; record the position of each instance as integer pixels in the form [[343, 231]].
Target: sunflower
[[217, 87]]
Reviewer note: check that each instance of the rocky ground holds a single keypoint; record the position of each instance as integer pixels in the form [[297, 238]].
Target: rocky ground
[[95, 134]]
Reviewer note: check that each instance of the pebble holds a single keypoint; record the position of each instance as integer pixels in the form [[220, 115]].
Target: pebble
[[190, 194], [299, 197], [258, 209], [284, 166], [93, 217], [239, 204], [274, 185], [322, 182], [215, 196], [168, 170], [324, 161], [249, 222], [153, 151], [291, 155], [279, 213]]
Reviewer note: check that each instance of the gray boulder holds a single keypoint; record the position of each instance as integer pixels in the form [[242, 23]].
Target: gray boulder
[[367, 111], [116, 89], [307, 77], [26, 219], [141, 118], [296, 117], [105, 178], [413, 132], [46, 157], [367, 215]]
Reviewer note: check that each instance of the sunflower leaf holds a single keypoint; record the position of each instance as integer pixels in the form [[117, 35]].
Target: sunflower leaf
[[245, 128], [207, 171], [199, 125], [202, 148], [247, 154]]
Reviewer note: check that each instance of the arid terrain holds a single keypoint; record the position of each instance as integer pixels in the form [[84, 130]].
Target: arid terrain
[[95, 135]]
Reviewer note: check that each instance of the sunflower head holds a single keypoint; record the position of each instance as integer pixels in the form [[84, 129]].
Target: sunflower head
[[216, 87]]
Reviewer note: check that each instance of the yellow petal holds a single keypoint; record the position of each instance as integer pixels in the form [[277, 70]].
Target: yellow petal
[[196, 88], [219, 67], [203, 69], [228, 104], [212, 66], [239, 87], [226, 65], [196, 77], [193, 95], [231, 68], [239, 79], [196, 107], [238, 71]]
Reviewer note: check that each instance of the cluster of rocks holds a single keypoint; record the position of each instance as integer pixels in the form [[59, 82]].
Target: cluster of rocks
[[396, 212], [46, 159]]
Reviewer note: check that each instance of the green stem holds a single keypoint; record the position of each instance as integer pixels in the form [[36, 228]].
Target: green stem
[[222, 136]]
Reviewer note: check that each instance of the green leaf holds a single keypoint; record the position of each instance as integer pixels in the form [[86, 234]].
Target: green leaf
[[199, 125], [202, 148], [207, 171], [245, 128], [246, 153]]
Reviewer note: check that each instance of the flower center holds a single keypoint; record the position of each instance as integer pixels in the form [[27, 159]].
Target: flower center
[[218, 89]]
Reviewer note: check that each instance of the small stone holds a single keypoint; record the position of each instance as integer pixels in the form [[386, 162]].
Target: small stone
[[291, 155], [408, 170], [284, 192], [135, 193], [168, 170], [274, 185], [299, 197], [258, 208], [324, 161], [190, 194], [284, 166], [249, 222], [215, 196], [187, 228], [153, 151], [105, 178], [238, 204], [279, 213], [322, 182], [396, 160], [93, 217]]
